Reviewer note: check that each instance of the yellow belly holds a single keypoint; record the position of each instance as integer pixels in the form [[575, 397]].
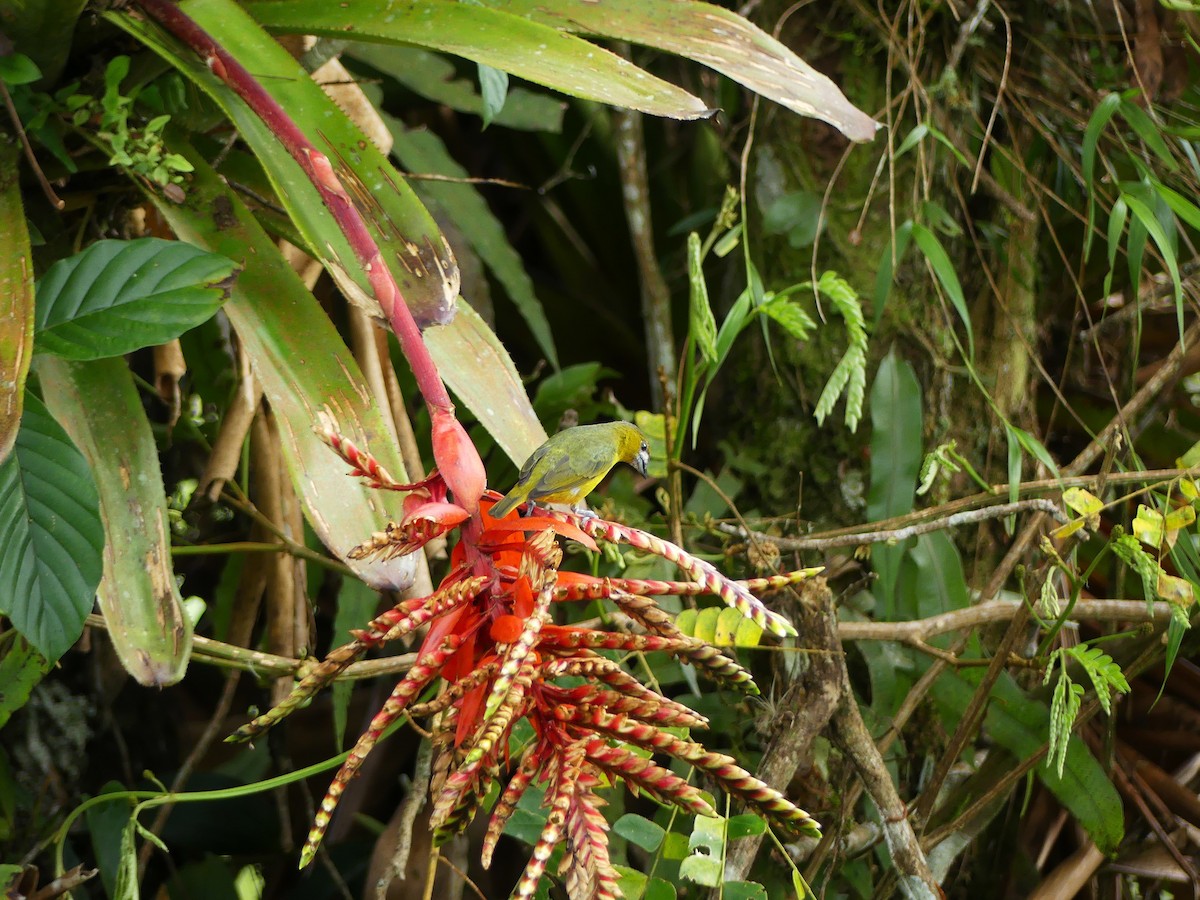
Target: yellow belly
[[574, 494]]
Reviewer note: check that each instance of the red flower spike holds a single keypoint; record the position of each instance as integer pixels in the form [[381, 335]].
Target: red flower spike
[[508, 801], [423, 672], [458, 460]]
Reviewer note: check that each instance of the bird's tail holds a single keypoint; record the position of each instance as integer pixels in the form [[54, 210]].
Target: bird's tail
[[504, 506]]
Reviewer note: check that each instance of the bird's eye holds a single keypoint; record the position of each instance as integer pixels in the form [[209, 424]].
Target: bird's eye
[[645, 447]]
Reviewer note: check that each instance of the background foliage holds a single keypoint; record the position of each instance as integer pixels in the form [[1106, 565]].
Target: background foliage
[[1000, 286]]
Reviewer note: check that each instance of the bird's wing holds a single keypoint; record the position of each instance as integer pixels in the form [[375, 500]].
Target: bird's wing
[[568, 470]]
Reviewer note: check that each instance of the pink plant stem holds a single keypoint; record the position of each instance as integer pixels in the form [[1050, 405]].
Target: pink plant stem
[[317, 167]]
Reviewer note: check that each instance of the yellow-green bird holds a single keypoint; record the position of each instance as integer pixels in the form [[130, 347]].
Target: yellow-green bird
[[568, 467]]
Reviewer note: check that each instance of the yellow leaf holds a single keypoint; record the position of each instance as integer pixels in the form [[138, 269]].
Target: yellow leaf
[[1148, 526], [1175, 590]]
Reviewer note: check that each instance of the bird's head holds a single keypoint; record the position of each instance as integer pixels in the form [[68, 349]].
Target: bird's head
[[632, 446]]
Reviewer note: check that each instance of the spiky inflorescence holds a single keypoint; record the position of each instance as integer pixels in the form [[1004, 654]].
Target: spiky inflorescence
[[406, 616], [601, 588], [409, 615], [463, 779], [399, 539], [641, 774], [724, 769], [364, 465], [611, 673], [423, 672], [586, 867], [704, 573], [508, 801], [559, 795]]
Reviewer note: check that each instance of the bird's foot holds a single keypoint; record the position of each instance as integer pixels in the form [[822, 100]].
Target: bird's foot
[[584, 513]]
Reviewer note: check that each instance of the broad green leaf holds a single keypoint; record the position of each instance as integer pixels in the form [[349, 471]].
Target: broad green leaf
[[18, 68], [304, 368], [660, 889], [705, 851], [119, 296], [1020, 725], [1175, 590], [533, 51], [640, 831], [16, 298], [746, 825], [743, 890], [408, 239], [702, 327], [21, 668], [630, 882], [1191, 458], [423, 152], [1087, 504], [715, 37], [100, 408], [747, 633], [726, 627], [50, 557], [896, 435], [943, 270], [433, 76]]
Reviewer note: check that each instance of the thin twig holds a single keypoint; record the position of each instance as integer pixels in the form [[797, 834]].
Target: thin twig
[[899, 534]]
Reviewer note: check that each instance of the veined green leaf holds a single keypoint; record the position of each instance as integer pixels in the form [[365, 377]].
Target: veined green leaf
[[119, 296], [99, 407], [511, 43], [16, 298], [716, 37], [50, 558], [1021, 726]]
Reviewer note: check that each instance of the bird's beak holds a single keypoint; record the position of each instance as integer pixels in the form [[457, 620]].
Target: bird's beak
[[642, 461]]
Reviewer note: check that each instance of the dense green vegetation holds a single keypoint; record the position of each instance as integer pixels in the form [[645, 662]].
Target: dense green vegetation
[[924, 397]]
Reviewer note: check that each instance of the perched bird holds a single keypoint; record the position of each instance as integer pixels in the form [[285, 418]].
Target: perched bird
[[567, 467]]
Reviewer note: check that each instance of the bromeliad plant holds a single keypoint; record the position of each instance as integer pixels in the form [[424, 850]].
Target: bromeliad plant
[[491, 639], [493, 643]]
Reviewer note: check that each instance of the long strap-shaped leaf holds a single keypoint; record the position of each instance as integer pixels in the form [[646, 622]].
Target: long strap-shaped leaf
[[409, 240], [304, 368], [100, 408], [536, 52]]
